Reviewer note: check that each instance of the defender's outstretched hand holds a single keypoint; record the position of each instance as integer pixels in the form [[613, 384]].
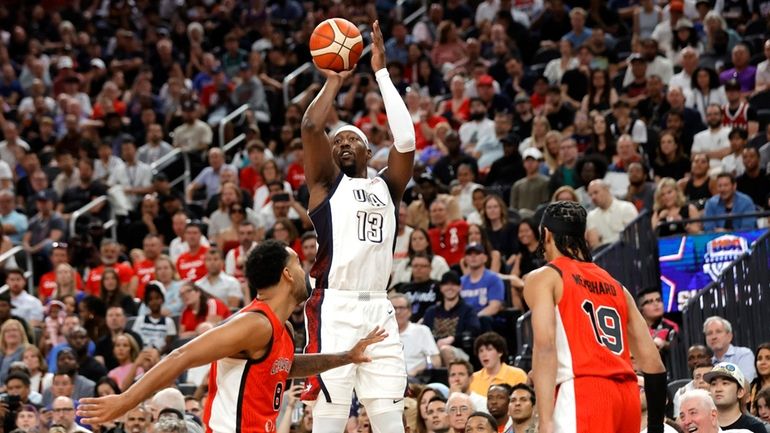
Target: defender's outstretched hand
[[356, 354], [378, 48]]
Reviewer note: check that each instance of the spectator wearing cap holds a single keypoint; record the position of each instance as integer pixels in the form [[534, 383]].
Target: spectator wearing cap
[[155, 148], [14, 224], [445, 169], [419, 345], [251, 91], [210, 179], [742, 70], [531, 191], [482, 289], [478, 128], [738, 113], [492, 98], [421, 290], [156, 329], [727, 386], [45, 228], [605, 222], [454, 323], [719, 336], [194, 135], [762, 78]]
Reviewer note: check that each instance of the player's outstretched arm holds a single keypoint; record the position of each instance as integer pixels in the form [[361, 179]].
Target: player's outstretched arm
[[401, 158], [648, 359], [539, 294], [320, 170], [220, 342], [310, 365]]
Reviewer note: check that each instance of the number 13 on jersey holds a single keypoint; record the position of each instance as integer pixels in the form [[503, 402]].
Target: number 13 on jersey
[[370, 226], [605, 322]]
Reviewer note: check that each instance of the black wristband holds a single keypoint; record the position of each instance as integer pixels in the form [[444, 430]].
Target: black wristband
[[655, 387]]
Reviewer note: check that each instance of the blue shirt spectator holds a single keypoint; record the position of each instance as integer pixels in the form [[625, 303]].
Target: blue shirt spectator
[[729, 201], [14, 223], [480, 291]]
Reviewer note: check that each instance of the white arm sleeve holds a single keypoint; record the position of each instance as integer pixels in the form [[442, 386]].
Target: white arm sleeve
[[400, 121]]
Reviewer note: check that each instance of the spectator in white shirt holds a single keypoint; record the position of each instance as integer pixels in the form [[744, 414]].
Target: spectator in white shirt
[[217, 283], [236, 257], [13, 145], [688, 58], [136, 175], [762, 78], [420, 349], [714, 141], [733, 163], [155, 148], [478, 128], [605, 222], [23, 304]]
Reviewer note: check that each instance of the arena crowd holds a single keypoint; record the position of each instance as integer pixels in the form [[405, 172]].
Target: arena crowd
[[651, 108]]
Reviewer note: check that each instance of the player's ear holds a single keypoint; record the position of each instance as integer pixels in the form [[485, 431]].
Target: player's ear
[[368, 153]]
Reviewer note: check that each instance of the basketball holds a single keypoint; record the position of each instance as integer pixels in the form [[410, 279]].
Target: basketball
[[336, 44]]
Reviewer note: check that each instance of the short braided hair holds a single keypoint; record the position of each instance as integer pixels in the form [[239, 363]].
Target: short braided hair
[[574, 247]]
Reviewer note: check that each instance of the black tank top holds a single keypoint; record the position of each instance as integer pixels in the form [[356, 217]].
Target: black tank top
[[672, 228], [697, 194]]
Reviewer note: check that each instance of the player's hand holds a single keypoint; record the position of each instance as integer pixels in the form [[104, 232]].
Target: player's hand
[[334, 75], [103, 409], [357, 355], [378, 47]]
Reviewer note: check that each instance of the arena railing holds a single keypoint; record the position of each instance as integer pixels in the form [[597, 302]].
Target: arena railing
[[301, 69], [170, 158], [111, 224], [741, 294], [223, 124]]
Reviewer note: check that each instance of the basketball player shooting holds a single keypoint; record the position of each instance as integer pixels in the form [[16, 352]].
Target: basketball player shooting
[[585, 327], [355, 218], [251, 354]]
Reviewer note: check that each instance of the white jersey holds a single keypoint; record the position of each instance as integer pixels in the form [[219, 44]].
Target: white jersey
[[356, 228]]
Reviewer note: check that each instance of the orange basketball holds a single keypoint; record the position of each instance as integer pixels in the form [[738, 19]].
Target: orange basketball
[[336, 44]]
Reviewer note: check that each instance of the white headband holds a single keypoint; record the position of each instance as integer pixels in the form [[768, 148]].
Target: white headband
[[354, 130]]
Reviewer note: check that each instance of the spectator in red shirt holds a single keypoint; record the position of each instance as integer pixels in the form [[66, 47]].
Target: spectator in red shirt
[[210, 92], [295, 173], [199, 308], [108, 102], [250, 177], [145, 269], [47, 285], [109, 252], [191, 265], [425, 127], [450, 232]]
